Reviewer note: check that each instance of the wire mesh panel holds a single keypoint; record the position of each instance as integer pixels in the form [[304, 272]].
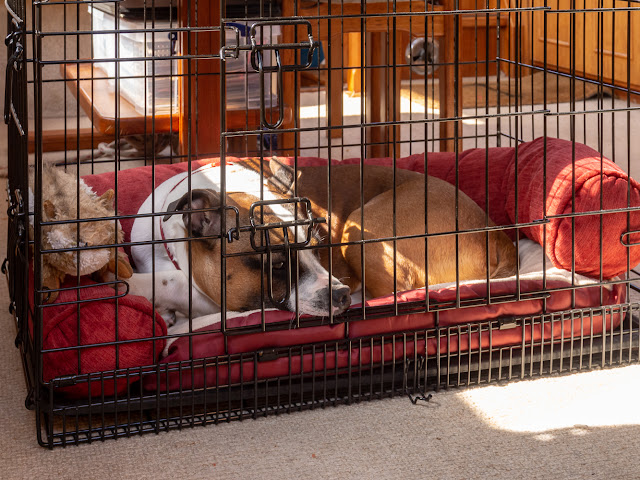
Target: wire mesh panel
[[227, 209]]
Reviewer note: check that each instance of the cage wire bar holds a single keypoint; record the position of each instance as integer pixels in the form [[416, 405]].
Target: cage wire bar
[[254, 80]]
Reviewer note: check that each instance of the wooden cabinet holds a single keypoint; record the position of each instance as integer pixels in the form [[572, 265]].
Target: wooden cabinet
[[616, 44], [595, 44], [563, 38]]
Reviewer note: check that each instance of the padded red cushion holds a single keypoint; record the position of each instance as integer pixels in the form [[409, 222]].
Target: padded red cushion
[[493, 188], [557, 301], [213, 344], [596, 179], [599, 185], [206, 346], [94, 323]]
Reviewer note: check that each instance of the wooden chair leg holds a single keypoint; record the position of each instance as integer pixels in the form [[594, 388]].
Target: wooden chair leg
[[336, 84], [450, 99], [354, 60], [380, 92], [375, 101]]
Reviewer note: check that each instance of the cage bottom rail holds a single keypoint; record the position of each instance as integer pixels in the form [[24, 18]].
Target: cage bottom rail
[[69, 422]]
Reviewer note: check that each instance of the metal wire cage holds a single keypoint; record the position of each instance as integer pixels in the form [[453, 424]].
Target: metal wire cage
[[131, 94]]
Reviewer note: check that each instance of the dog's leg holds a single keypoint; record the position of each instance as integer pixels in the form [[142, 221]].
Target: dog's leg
[[171, 294]]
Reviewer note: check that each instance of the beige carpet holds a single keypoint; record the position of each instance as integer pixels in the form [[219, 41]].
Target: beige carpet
[[572, 427], [528, 91]]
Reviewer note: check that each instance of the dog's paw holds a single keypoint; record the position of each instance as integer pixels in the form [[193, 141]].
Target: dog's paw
[[169, 318]]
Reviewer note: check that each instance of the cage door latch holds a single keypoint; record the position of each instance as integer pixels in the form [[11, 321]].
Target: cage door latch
[[300, 222], [259, 65]]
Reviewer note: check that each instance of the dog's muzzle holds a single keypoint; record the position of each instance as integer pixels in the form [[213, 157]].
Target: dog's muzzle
[[341, 299], [312, 296]]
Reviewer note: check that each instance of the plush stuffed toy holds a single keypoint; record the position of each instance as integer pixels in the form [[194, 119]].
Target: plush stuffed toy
[[60, 202]]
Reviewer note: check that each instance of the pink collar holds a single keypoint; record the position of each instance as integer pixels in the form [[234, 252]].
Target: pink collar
[[166, 247]]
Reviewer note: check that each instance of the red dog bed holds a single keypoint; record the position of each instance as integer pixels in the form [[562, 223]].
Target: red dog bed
[[92, 325], [210, 345], [596, 180]]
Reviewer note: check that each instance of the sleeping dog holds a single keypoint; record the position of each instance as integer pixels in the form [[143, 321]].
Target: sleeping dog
[[189, 274], [448, 259]]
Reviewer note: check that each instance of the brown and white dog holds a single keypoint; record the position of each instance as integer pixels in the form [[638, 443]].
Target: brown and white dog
[[188, 274], [449, 260]]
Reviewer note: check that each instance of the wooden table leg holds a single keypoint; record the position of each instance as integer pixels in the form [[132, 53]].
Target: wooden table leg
[[379, 96], [336, 83], [354, 60], [200, 94], [334, 88], [394, 91], [450, 87]]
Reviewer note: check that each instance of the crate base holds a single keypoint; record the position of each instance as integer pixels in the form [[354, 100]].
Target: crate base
[[71, 422]]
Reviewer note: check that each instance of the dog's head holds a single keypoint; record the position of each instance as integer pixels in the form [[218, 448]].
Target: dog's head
[[246, 274]]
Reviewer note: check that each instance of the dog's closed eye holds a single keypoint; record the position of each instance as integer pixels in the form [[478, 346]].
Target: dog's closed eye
[[277, 261]]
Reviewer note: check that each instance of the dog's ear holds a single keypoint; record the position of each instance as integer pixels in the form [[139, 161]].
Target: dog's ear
[[202, 223], [283, 176]]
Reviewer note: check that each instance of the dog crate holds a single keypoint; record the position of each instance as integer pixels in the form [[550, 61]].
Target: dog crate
[[526, 107]]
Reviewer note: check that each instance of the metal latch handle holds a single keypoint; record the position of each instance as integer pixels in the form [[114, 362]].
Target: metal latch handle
[[264, 123], [627, 242], [260, 238], [257, 62]]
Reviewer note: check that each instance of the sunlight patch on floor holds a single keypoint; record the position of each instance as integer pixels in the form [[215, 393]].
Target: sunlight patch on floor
[[313, 111], [578, 402], [351, 107], [473, 121]]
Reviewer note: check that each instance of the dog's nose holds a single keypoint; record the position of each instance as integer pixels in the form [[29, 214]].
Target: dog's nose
[[341, 298]]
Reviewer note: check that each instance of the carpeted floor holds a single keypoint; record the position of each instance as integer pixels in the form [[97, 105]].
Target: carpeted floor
[[581, 426], [585, 425], [529, 90]]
